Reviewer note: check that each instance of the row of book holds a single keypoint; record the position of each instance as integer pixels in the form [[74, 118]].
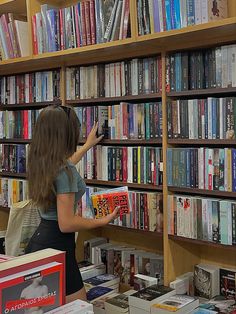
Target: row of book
[[127, 164], [18, 124], [131, 77], [12, 191], [202, 218], [211, 118], [158, 15], [13, 158], [30, 87], [85, 23], [209, 68], [146, 210], [14, 37], [123, 261], [123, 121], [202, 168]]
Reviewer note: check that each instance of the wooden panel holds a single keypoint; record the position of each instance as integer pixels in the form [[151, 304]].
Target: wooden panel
[[13, 6], [232, 8], [221, 257], [181, 259], [149, 242], [4, 214]]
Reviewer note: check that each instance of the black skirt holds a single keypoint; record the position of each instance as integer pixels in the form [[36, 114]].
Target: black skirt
[[48, 235]]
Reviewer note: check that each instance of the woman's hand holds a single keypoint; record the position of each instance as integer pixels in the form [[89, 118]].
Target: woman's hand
[[112, 216], [92, 138]]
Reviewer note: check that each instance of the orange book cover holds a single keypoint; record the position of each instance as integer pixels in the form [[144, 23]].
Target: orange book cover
[[105, 202]]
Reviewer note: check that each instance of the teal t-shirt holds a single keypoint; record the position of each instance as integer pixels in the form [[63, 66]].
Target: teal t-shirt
[[63, 184]]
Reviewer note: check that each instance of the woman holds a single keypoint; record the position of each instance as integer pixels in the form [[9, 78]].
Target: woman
[[55, 187]]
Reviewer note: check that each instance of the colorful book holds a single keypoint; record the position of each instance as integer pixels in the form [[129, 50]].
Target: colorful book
[[105, 202]]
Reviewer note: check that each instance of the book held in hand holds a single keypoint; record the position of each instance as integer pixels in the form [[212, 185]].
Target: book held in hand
[[105, 202]]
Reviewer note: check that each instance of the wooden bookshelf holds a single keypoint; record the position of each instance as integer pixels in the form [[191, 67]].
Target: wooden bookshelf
[[33, 105], [141, 232], [180, 254], [14, 141], [142, 142], [118, 183], [13, 174], [190, 142], [203, 92], [201, 242], [101, 100], [194, 191]]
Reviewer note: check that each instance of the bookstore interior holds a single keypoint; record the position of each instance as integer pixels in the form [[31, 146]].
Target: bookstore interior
[[155, 82]]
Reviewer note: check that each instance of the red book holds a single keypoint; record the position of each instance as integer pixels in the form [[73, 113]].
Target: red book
[[105, 202], [34, 33], [145, 209], [62, 26], [92, 22], [84, 31], [37, 288], [125, 171], [25, 125], [87, 23], [26, 263], [4, 22], [126, 19], [77, 25]]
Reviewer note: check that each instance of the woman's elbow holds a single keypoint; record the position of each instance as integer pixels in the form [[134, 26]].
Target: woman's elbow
[[65, 227]]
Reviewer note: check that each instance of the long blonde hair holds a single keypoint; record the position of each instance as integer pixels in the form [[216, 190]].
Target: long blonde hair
[[55, 138]]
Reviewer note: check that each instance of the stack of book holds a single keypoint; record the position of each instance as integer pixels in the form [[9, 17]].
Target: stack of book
[[12, 191], [75, 307], [118, 304], [179, 304]]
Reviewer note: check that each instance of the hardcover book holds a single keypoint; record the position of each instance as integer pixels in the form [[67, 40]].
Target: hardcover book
[[105, 202], [34, 290]]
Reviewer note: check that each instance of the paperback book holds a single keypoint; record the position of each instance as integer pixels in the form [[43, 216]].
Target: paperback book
[[105, 202]]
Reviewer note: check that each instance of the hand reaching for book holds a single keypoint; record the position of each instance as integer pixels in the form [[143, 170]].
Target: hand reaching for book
[[112, 216], [92, 138]]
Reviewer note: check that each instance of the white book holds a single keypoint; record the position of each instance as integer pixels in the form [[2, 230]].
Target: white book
[[204, 11], [190, 118], [50, 86], [23, 37], [118, 79], [122, 19], [201, 168], [75, 307], [161, 15], [107, 81], [123, 90], [112, 80], [224, 52], [81, 79], [197, 10], [209, 106], [130, 164], [229, 63], [39, 31], [218, 67], [209, 218]]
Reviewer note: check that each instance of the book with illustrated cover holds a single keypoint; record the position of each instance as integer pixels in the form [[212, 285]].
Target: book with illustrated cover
[[34, 290], [105, 202], [228, 283], [206, 280], [97, 292], [180, 304]]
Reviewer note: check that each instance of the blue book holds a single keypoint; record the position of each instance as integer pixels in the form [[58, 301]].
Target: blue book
[[80, 27], [224, 208], [203, 311], [187, 168], [97, 292], [21, 158], [51, 30], [190, 12], [156, 16], [177, 20], [172, 13], [168, 14], [131, 119], [178, 72]]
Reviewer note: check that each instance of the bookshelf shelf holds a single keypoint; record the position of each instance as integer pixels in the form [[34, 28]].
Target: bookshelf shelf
[[113, 99], [183, 190], [203, 92], [197, 36], [14, 140], [190, 142], [142, 142], [118, 183], [201, 242], [19, 6], [12, 174], [144, 232], [29, 105]]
